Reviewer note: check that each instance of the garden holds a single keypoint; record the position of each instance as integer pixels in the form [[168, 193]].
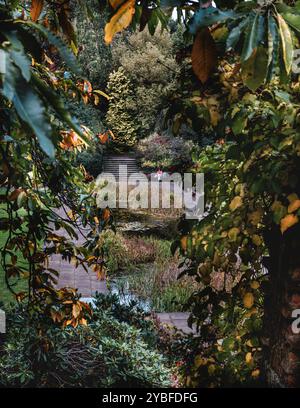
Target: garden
[[145, 296]]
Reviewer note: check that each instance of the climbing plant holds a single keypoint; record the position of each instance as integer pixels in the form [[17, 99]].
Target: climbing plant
[[245, 89]]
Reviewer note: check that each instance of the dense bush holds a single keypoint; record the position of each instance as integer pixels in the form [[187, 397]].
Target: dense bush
[[104, 353], [164, 151], [149, 63], [120, 116]]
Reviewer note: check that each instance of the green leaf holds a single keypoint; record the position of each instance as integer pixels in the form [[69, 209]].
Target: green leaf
[[170, 3], [286, 43], [233, 152], [208, 16], [273, 47], [293, 20], [10, 77], [31, 110], [21, 60], [240, 122], [58, 106], [254, 70], [254, 36], [235, 34], [64, 50], [17, 53]]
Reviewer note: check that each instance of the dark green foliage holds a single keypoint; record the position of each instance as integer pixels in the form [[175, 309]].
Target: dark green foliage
[[91, 159], [94, 56], [105, 353], [87, 115]]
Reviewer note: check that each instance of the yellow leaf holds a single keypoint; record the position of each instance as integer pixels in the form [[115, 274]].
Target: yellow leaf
[[96, 100], [214, 116], [97, 91], [256, 240], [183, 242], [204, 55], [255, 285], [249, 343], [286, 42], [249, 358], [255, 373], [199, 361], [287, 222], [292, 197], [115, 3], [111, 134], [255, 217], [294, 206], [233, 233], [248, 300], [235, 203], [277, 205], [120, 20], [106, 214], [36, 9], [76, 309], [220, 33], [211, 369]]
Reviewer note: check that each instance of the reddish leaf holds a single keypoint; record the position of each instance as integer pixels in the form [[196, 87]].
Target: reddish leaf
[[36, 9], [204, 55]]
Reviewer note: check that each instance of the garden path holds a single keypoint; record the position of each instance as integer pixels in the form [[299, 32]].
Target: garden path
[[88, 284]]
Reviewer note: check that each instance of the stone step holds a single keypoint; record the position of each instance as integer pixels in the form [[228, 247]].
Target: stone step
[[111, 164], [120, 158], [119, 166], [121, 169]]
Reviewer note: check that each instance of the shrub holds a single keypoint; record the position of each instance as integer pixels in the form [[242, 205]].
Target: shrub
[[104, 353], [120, 116], [164, 151]]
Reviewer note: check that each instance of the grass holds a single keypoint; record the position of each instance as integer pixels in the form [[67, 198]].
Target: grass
[[159, 283], [145, 267]]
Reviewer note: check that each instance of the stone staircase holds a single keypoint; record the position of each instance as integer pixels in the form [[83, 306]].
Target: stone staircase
[[112, 163]]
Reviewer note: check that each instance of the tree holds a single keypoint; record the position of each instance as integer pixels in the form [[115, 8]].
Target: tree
[[149, 63], [252, 189], [94, 57], [39, 140]]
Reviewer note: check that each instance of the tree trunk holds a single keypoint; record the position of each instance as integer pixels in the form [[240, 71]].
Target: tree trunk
[[282, 297]]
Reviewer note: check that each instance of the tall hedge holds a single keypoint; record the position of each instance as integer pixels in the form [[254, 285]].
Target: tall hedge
[[120, 115]]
